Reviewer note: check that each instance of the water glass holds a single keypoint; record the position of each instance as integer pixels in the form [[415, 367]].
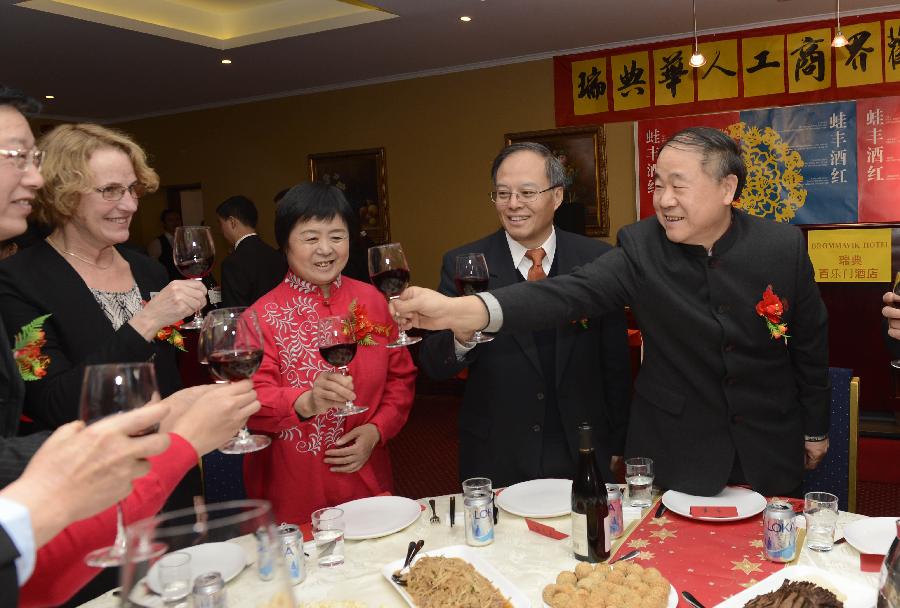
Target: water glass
[[175, 576], [639, 477], [476, 487], [328, 531], [821, 512]]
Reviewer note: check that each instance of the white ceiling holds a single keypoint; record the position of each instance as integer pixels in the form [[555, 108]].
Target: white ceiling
[[107, 73]]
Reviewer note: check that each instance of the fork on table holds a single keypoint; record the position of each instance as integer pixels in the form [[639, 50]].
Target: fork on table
[[434, 516]]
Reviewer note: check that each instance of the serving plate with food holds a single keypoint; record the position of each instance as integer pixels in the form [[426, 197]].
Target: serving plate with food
[[622, 584], [455, 576], [798, 583]]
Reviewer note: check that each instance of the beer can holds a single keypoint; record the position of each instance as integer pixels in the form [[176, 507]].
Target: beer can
[[264, 558], [209, 591], [780, 531], [292, 546], [616, 517], [479, 514]]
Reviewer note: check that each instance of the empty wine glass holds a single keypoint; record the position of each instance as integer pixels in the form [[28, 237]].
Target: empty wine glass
[[471, 278], [390, 274], [337, 345], [233, 346], [193, 252], [108, 390]]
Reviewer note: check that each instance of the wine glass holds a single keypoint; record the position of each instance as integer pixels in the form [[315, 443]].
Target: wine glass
[[471, 278], [220, 537], [337, 345], [896, 290], [233, 347], [193, 252], [107, 390], [390, 274]]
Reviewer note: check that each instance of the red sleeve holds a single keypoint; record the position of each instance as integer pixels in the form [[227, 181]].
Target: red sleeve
[[399, 391], [60, 570], [276, 411]]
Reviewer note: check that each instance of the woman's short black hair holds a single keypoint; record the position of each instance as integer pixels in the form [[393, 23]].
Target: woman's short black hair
[[310, 201]]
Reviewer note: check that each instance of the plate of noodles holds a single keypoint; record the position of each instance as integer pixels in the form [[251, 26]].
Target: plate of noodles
[[455, 576]]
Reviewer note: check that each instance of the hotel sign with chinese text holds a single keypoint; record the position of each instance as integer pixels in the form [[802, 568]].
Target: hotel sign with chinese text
[[851, 256], [775, 66]]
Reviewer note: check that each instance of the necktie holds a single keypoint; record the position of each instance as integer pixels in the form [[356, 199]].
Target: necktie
[[536, 272]]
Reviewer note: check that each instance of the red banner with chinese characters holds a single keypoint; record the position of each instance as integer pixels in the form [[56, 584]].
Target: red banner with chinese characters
[[762, 67], [878, 154]]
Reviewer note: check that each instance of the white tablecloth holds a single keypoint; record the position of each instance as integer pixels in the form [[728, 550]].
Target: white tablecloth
[[530, 561]]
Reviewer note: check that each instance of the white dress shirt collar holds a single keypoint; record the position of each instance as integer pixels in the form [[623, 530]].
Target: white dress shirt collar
[[522, 263], [238, 242]]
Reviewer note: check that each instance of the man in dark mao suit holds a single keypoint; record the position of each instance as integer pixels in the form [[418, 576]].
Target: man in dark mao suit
[[527, 391], [724, 395]]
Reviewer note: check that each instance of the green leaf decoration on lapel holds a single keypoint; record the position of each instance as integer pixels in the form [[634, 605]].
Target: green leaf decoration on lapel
[[31, 362]]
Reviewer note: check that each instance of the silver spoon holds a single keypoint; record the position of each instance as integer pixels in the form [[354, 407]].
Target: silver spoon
[[400, 575], [691, 599]]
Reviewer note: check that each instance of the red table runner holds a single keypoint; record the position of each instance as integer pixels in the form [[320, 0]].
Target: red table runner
[[713, 560]]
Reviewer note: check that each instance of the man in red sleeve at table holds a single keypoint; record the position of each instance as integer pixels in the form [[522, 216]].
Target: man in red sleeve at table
[[734, 384]]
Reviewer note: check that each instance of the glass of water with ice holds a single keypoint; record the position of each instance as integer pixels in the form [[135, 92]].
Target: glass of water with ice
[[820, 509], [175, 576], [328, 531], [639, 477]]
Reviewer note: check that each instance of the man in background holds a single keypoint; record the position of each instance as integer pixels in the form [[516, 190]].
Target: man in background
[[160, 248], [527, 391], [253, 268]]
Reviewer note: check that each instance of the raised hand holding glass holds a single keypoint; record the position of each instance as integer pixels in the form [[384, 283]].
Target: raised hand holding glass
[[389, 272], [337, 345], [193, 252]]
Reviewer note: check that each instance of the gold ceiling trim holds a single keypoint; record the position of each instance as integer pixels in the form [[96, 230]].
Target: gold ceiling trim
[[222, 29]]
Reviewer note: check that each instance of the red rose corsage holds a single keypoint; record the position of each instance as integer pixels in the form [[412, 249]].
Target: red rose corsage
[[170, 334], [771, 308], [582, 323], [362, 327], [31, 362]]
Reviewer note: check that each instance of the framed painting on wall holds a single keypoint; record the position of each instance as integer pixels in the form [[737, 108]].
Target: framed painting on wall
[[582, 151], [362, 176]]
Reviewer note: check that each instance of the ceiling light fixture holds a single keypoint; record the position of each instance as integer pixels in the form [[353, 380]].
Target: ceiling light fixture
[[49, 96], [839, 38], [226, 62], [465, 18], [697, 59]]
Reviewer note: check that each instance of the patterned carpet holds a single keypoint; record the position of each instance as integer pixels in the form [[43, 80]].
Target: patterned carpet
[[424, 455]]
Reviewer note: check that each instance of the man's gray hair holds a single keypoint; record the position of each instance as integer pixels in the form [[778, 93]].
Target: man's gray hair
[[556, 174], [719, 151]]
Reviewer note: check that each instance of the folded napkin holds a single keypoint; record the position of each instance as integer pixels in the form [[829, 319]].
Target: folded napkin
[[545, 530], [711, 511], [870, 562]]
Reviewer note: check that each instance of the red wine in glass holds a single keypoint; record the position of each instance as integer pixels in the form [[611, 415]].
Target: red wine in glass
[[391, 282], [389, 272], [338, 355], [337, 345], [234, 365], [193, 253], [472, 277], [231, 344], [195, 268]]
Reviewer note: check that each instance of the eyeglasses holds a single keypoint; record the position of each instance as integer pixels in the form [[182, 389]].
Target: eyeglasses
[[503, 197], [21, 157], [115, 192]]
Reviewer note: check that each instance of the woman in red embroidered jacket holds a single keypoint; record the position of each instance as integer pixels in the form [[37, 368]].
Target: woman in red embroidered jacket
[[318, 459]]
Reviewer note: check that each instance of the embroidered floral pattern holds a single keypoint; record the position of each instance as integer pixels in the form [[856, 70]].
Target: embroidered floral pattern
[[294, 328], [362, 327], [771, 308], [31, 362]]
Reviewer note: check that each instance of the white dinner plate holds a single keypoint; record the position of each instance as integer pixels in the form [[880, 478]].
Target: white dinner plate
[[871, 535], [538, 498], [747, 502], [855, 595], [228, 559], [378, 516], [673, 598], [516, 598]]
